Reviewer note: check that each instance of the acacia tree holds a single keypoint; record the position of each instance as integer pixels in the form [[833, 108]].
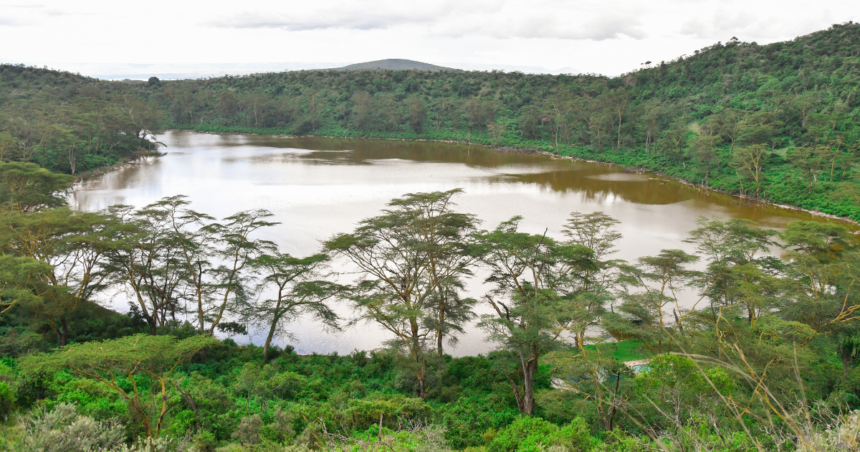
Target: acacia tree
[[618, 101], [729, 124], [417, 112], [596, 232], [749, 161], [412, 259], [648, 288], [449, 251], [530, 314], [703, 149], [128, 357], [194, 244], [823, 276], [740, 272], [297, 293], [236, 249], [74, 245], [214, 256], [810, 160], [145, 256], [674, 140], [653, 113], [27, 187], [394, 289], [168, 252], [18, 277]]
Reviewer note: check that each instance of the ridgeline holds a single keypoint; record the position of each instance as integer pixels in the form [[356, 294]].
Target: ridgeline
[[394, 65]]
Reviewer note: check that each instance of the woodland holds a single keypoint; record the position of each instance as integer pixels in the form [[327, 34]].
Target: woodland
[[590, 353]]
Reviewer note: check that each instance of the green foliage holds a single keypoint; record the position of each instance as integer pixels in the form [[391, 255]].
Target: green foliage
[[28, 187], [248, 431], [7, 399], [530, 434]]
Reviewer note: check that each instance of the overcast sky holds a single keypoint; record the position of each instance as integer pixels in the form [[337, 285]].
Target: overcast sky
[[608, 37]]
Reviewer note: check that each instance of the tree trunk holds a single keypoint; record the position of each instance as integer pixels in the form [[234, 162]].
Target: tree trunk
[[647, 140], [422, 377], [526, 400], [614, 410], [439, 336], [269, 340], [64, 331], [72, 160]]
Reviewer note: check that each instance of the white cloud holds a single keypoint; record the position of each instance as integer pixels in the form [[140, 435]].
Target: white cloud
[[380, 14], [447, 19], [590, 35], [532, 26]]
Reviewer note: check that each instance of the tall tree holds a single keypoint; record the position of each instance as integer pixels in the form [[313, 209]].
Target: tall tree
[[650, 287], [823, 276], [729, 124], [529, 312], [618, 101], [296, 292], [195, 250], [417, 111], [74, 245], [809, 160], [146, 258], [749, 161], [394, 289], [235, 250], [703, 150], [19, 278], [738, 255], [595, 231], [445, 239]]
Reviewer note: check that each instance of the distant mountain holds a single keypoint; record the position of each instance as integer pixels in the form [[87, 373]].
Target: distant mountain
[[394, 65]]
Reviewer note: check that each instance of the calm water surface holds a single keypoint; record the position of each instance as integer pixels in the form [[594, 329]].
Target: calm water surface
[[317, 187]]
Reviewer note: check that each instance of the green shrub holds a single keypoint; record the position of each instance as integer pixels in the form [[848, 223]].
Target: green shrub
[[532, 434], [64, 430], [525, 428], [7, 399]]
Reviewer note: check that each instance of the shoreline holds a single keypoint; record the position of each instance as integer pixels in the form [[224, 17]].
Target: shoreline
[[511, 149], [127, 162]]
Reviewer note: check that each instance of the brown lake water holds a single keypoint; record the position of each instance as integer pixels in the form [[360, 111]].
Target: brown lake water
[[317, 187]]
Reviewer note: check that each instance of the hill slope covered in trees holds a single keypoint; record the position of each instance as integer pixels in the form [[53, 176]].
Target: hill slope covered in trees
[[773, 121]]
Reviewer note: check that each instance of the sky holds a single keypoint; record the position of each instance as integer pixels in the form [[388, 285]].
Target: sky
[[176, 38]]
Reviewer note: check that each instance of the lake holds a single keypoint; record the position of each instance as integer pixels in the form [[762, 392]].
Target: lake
[[317, 187]]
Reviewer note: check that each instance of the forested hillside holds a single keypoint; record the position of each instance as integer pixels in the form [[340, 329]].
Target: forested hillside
[[769, 121], [68, 123]]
